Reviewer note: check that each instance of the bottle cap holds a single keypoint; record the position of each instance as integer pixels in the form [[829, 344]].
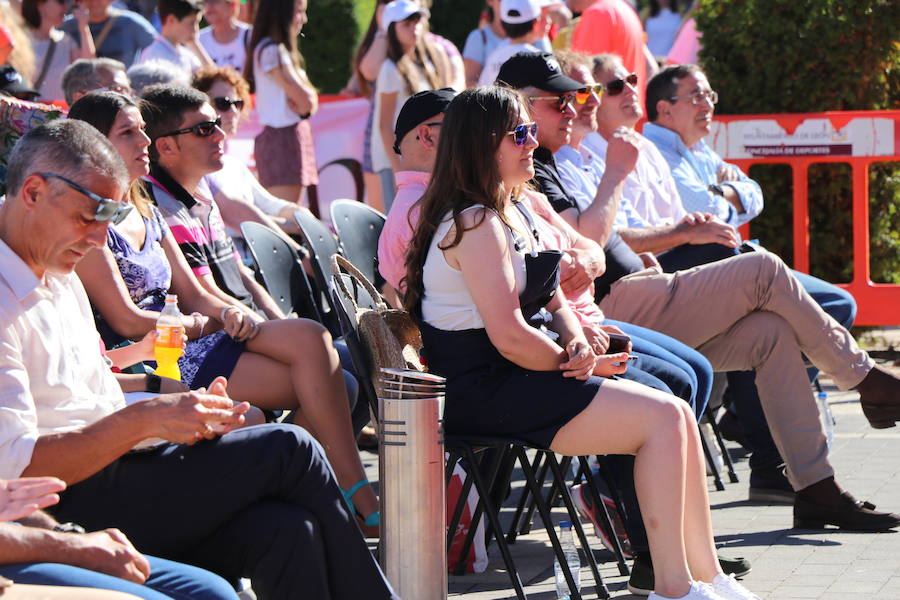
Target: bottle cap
[[565, 524], [171, 297]]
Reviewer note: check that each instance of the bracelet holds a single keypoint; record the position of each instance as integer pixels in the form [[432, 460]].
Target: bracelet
[[198, 318], [225, 312], [153, 382]]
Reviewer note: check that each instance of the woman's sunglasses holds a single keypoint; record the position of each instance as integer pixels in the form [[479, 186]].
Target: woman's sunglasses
[[582, 95], [201, 129], [520, 134], [617, 86], [224, 103]]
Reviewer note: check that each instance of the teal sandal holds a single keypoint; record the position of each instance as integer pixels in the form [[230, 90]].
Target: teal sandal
[[371, 524]]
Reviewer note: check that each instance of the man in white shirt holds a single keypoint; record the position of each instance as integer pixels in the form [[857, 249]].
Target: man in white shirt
[[178, 41], [258, 502]]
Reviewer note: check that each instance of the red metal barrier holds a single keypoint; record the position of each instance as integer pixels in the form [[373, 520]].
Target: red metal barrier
[[858, 138]]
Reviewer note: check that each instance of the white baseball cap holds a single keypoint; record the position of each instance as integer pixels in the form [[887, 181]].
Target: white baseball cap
[[520, 11], [398, 10]]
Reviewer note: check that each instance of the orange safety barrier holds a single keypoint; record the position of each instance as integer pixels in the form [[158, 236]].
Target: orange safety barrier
[[858, 138]]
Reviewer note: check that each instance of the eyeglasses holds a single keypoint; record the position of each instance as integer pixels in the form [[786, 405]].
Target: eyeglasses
[[617, 86], [699, 96], [224, 103], [521, 132], [201, 129], [561, 100], [582, 95], [107, 208]]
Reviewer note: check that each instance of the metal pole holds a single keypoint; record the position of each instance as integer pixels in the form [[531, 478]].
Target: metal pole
[[413, 505]]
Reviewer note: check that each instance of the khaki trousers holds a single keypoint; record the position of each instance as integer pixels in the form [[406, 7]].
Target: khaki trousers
[[749, 312]]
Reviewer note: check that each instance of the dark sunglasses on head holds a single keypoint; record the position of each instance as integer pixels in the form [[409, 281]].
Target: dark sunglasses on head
[[201, 129], [582, 95], [560, 100], [107, 208], [224, 103], [520, 133], [617, 86]]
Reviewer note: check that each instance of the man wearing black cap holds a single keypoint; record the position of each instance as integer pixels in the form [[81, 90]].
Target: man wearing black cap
[[415, 140], [748, 312]]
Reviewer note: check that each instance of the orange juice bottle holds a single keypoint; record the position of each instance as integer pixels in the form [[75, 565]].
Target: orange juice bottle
[[169, 335]]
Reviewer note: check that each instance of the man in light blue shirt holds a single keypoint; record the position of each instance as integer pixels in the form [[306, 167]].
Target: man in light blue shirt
[[680, 106]]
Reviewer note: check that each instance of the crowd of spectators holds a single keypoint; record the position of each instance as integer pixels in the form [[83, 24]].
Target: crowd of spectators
[[577, 282]]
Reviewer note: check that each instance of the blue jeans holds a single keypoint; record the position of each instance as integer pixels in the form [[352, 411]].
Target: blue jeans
[[679, 356], [260, 502], [167, 580]]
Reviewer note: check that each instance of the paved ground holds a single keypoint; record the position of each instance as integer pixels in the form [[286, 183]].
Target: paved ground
[[787, 564]]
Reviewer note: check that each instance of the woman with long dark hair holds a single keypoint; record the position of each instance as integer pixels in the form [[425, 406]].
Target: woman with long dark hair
[[286, 364], [414, 64], [487, 298], [285, 98]]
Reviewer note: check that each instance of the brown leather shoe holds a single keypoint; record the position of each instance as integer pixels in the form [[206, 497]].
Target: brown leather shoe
[[852, 516]]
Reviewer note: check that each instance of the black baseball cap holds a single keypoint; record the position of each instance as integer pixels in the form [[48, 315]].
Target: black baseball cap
[[418, 109], [536, 69], [11, 84]]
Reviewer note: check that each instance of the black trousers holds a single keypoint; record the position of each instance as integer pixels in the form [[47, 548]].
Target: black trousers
[[261, 502]]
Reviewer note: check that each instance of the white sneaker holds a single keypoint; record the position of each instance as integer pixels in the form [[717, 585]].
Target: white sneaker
[[698, 591], [728, 588]]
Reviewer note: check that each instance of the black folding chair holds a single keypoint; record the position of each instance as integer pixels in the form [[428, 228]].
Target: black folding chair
[[281, 271], [358, 227], [322, 245]]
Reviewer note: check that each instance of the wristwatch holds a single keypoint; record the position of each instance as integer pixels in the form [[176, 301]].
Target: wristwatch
[[716, 189], [154, 383], [68, 528]]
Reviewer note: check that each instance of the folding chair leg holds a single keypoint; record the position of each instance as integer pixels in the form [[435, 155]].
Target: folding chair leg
[[717, 478], [606, 520], [491, 513], [520, 507], [532, 483], [496, 458], [453, 525], [559, 475], [529, 510], [726, 456]]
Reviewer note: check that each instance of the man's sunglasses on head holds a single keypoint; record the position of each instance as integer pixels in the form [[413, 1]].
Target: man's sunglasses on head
[[560, 100], [107, 208], [520, 134], [201, 129], [617, 86], [224, 103]]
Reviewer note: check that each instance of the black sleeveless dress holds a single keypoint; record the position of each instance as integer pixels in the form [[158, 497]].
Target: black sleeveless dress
[[488, 394]]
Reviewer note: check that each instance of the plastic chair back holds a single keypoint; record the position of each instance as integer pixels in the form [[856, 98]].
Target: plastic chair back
[[358, 227]]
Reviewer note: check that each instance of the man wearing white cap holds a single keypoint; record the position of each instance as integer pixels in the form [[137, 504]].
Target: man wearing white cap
[[522, 22]]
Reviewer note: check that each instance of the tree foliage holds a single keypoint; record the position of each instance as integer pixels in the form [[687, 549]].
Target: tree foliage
[[780, 56]]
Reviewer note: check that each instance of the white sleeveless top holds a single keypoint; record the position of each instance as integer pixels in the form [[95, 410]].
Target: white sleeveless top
[[447, 303]]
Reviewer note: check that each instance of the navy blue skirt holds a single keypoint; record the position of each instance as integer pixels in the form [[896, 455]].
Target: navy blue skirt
[[206, 358]]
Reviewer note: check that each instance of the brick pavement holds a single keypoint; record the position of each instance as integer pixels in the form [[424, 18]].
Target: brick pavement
[[787, 564]]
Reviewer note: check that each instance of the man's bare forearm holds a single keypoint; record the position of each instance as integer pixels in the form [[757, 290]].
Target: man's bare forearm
[[597, 221], [653, 239], [32, 545], [76, 455]]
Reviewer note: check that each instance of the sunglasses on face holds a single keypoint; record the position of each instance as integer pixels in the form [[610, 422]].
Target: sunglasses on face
[[582, 95], [224, 103], [561, 100], [201, 129], [617, 86], [520, 133], [107, 208]]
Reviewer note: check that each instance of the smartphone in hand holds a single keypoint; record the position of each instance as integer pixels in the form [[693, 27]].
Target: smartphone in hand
[[618, 342]]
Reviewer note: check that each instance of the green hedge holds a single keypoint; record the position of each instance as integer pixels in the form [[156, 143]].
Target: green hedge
[[776, 56], [329, 41], [454, 19]]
